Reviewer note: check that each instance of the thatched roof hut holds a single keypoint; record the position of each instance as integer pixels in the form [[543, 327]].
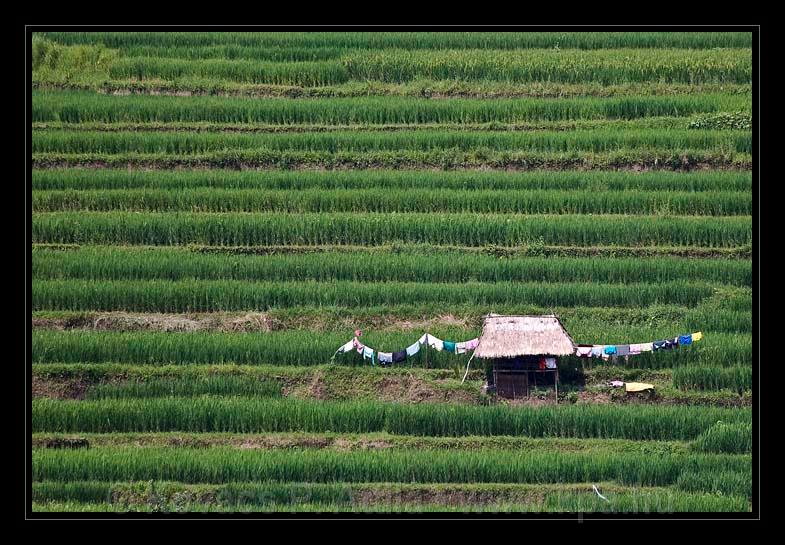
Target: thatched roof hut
[[512, 336]]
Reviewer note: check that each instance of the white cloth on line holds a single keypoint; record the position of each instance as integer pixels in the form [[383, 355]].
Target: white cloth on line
[[413, 349], [346, 348]]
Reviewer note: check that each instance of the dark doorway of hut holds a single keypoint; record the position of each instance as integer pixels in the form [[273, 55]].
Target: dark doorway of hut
[[523, 352], [516, 378]]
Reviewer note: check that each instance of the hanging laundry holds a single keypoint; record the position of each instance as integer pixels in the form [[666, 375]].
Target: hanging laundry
[[436, 344], [646, 347], [616, 383], [685, 339], [671, 343], [385, 357], [583, 351], [541, 363], [358, 345], [346, 348], [368, 354], [423, 339], [659, 345], [610, 349], [449, 346], [399, 356], [413, 349], [550, 363], [697, 336], [623, 350], [635, 349], [597, 350], [462, 348]]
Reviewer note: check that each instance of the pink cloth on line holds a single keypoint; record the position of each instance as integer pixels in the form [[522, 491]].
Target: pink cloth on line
[[583, 351], [472, 344]]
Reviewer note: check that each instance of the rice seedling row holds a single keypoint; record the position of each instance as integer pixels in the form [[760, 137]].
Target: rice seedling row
[[237, 229], [174, 263], [398, 201], [253, 415], [80, 107], [92, 179]]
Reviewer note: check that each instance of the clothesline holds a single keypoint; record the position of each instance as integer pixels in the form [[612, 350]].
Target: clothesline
[[605, 351], [386, 358]]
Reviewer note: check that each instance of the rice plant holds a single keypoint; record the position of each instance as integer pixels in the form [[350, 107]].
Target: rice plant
[[168, 263], [238, 229], [80, 107], [243, 415], [78, 179], [222, 465]]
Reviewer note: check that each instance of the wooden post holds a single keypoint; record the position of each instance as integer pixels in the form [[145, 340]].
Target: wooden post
[[557, 385]]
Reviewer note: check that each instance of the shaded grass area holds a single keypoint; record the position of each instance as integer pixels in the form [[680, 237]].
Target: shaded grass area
[[196, 41]]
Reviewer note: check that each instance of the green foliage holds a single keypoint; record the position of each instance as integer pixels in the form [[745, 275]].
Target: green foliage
[[723, 121], [130, 263], [203, 414], [737, 378], [218, 465], [80, 107], [221, 385], [239, 229], [60, 63], [725, 436]]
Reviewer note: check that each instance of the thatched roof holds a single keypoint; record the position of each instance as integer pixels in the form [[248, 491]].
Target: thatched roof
[[509, 336]]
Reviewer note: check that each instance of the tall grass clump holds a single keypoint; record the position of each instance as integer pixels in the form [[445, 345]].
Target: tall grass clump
[[725, 437], [737, 378]]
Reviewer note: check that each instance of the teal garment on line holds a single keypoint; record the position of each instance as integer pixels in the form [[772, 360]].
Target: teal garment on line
[[449, 346], [610, 349]]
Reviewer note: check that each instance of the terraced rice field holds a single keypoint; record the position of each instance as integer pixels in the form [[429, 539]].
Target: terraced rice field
[[214, 214]]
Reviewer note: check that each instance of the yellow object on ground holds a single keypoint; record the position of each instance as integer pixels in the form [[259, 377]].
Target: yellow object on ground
[[697, 336], [638, 386]]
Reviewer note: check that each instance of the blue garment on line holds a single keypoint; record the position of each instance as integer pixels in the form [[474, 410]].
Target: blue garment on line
[[685, 339], [611, 349]]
